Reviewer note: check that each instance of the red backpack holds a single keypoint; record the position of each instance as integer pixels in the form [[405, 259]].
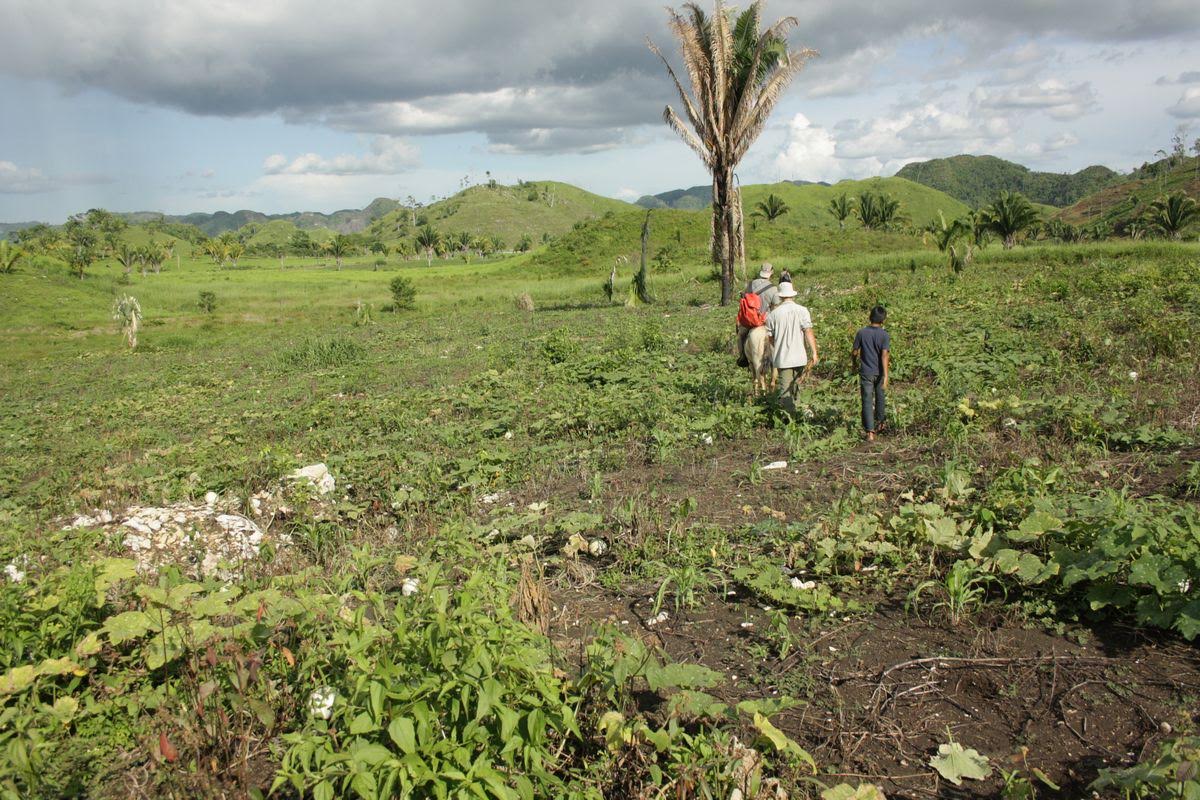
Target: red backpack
[[750, 310]]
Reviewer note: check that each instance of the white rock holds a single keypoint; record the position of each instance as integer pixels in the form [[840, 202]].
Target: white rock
[[598, 547], [804, 585], [776, 465], [508, 434], [410, 586], [316, 474], [210, 499], [658, 619], [490, 498], [747, 624], [707, 438]]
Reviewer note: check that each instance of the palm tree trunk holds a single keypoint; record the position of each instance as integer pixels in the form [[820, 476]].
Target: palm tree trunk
[[723, 239]]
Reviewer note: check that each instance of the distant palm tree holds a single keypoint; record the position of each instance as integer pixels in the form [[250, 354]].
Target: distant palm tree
[[428, 240], [1008, 216], [956, 239], [10, 254], [126, 256], [878, 211], [234, 251], [772, 208], [1172, 215], [340, 247], [841, 207], [737, 75]]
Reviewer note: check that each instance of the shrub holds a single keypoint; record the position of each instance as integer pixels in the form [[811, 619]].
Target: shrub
[[404, 293], [524, 302], [207, 302]]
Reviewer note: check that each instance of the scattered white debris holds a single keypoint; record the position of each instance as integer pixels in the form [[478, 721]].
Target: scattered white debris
[[316, 474], [832, 649], [707, 438], [658, 619], [598, 547], [14, 573], [747, 624], [731, 593], [803, 585], [776, 465], [1133, 376], [508, 434], [870, 568], [320, 702], [210, 499], [410, 586], [1009, 422], [490, 498], [1185, 586], [99, 520], [538, 507]]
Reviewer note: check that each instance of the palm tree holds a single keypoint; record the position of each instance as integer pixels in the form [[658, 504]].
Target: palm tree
[[10, 254], [737, 74], [956, 239], [1008, 216], [234, 251], [772, 208], [126, 256], [1172, 215], [841, 207], [339, 248], [428, 240], [878, 211]]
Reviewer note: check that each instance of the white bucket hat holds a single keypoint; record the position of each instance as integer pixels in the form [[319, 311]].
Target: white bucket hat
[[787, 290], [766, 270]]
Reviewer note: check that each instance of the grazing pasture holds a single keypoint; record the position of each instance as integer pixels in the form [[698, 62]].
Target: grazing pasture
[[562, 552]]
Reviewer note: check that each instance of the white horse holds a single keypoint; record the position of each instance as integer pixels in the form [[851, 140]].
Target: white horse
[[758, 353]]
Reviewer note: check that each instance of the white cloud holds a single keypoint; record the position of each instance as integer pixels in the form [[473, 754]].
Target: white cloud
[[387, 156], [628, 194], [22, 180], [1188, 105], [1055, 98]]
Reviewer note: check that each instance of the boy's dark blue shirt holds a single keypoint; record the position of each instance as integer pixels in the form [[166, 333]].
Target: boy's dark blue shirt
[[870, 342]]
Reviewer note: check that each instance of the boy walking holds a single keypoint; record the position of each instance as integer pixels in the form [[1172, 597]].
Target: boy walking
[[872, 346]]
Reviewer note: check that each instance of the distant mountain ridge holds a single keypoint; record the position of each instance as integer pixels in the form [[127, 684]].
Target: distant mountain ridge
[[976, 180], [216, 223], [695, 198]]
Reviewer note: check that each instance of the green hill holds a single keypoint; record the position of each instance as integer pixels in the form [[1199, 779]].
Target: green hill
[[976, 180], [683, 236], [216, 223], [280, 231], [1120, 203], [529, 209], [808, 205]]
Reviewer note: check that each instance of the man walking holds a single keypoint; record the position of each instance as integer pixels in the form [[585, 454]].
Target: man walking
[[763, 296], [790, 328], [872, 351]]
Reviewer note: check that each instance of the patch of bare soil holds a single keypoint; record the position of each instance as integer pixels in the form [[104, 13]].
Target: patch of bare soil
[[880, 692]]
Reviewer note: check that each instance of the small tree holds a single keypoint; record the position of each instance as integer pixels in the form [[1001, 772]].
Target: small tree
[[428, 240], [10, 254], [207, 302], [404, 293], [771, 209], [877, 211], [1173, 215], [525, 243], [841, 207], [128, 313], [80, 245], [127, 257], [340, 247], [1009, 216], [234, 251]]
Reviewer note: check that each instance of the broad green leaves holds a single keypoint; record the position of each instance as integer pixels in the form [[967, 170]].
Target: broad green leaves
[[956, 763]]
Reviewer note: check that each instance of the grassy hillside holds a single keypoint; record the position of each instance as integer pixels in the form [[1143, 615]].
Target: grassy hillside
[[976, 180], [1122, 202], [510, 212], [350, 220], [683, 237], [808, 204], [279, 232]]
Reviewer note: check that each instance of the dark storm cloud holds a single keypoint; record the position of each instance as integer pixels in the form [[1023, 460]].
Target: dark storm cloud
[[531, 74]]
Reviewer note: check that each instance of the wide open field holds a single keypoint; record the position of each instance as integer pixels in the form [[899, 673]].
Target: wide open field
[[554, 562]]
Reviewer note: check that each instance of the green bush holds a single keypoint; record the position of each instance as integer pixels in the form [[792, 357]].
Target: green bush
[[322, 353], [404, 293], [207, 302]]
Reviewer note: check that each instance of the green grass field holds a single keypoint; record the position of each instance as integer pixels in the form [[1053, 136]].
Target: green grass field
[[1028, 521]]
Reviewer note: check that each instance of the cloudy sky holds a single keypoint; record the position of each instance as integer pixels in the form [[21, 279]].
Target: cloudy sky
[[283, 105]]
